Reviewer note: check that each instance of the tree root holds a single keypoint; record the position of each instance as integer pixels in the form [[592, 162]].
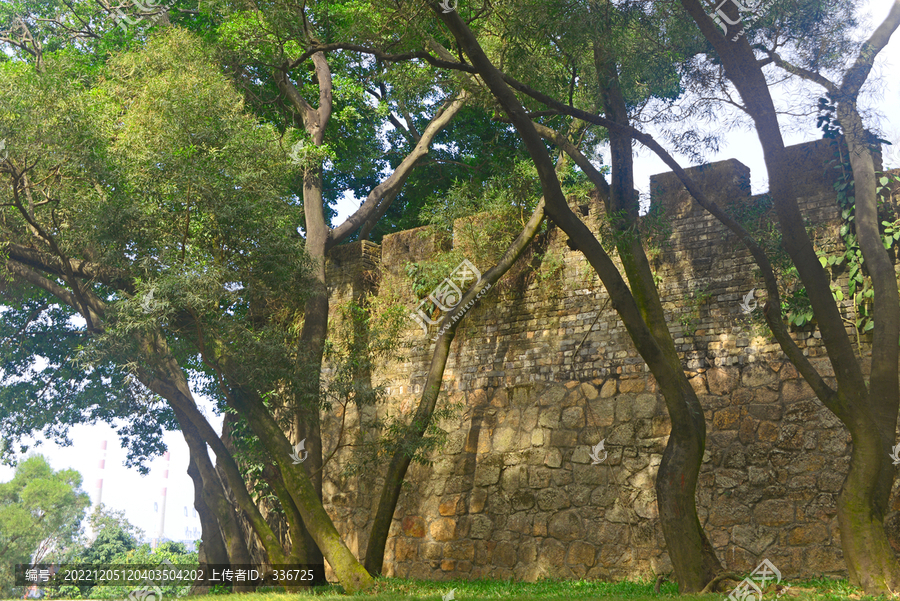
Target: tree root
[[710, 587], [659, 580]]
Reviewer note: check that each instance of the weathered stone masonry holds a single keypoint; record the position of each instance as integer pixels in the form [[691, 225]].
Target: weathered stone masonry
[[545, 376]]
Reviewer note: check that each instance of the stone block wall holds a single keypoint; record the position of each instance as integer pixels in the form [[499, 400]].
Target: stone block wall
[[545, 371]]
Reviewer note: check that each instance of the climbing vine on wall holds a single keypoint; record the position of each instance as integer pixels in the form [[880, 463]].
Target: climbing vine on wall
[[851, 259]]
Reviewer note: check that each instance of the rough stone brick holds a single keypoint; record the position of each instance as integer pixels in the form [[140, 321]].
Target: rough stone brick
[[413, 526], [581, 553], [443, 529]]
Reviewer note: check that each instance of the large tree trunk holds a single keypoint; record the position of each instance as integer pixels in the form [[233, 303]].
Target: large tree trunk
[[348, 570], [861, 510], [692, 555], [173, 387], [214, 496], [864, 498], [306, 418], [211, 549], [214, 550], [669, 376]]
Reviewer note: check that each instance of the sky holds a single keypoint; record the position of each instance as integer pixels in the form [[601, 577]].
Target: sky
[[140, 496]]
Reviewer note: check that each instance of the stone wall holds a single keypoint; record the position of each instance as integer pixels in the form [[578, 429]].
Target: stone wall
[[544, 370]]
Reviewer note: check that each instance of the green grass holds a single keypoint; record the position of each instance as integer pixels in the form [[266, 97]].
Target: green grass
[[390, 589]]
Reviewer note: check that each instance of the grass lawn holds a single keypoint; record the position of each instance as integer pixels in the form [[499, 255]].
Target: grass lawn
[[389, 589]]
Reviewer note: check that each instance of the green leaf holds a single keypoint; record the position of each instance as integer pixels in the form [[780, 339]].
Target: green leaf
[[869, 326]]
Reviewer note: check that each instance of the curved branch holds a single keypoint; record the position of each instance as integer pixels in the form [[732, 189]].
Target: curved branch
[[384, 192], [857, 74], [85, 270], [804, 73], [582, 161], [385, 56]]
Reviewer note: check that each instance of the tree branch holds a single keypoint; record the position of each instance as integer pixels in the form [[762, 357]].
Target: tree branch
[[804, 73], [857, 74], [386, 190]]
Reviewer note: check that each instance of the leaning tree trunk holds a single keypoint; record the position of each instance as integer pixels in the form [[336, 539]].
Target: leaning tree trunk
[[861, 506], [669, 375], [173, 387], [348, 570], [863, 502], [401, 459], [693, 558], [215, 498], [301, 540]]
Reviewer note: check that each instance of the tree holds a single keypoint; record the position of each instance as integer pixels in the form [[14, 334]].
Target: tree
[[143, 308], [40, 512], [104, 252], [867, 406], [111, 537]]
